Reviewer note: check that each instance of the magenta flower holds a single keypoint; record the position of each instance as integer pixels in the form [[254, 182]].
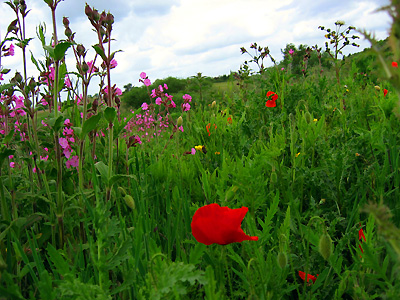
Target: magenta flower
[[187, 97], [63, 143], [193, 152], [186, 106], [113, 63], [180, 128], [143, 75], [12, 164], [91, 66], [73, 162], [145, 106], [147, 82], [291, 51], [158, 101], [1, 76], [67, 82]]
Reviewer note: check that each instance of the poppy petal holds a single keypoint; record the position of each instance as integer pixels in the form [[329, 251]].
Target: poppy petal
[[270, 103], [270, 93], [220, 225]]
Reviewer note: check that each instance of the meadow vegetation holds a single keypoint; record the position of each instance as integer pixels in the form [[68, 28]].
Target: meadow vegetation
[[140, 193]]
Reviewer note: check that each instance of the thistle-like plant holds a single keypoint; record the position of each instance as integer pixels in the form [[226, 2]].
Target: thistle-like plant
[[338, 39]]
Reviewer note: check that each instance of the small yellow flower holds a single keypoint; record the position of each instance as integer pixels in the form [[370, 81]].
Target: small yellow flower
[[297, 155], [217, 153], [357, 154], [315, 120], [198, 148]]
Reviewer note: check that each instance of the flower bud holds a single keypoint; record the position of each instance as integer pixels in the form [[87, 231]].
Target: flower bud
[[282, 260], [179, 122], [377, 87], [213, 104], [65, 21], [18, 77], [68, 32], [325, 246], [85, 67], [307, 116], [80, 49], [274, 177], [88, 11], [130, 202]]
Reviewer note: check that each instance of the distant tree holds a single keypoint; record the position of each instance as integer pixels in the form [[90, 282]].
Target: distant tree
[[127, 87]]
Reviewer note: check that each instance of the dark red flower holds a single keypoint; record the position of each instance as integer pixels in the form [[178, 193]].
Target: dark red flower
[[394, 64], [385, 91], [220, 225], [271, 102], [309, 277]]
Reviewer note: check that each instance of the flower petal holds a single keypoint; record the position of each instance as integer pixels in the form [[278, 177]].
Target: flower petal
[[220, 225]]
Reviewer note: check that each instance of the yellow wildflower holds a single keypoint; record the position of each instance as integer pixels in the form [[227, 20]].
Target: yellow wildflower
[[297, 155]]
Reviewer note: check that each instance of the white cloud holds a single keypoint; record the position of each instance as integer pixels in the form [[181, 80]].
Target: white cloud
[[180, 38]]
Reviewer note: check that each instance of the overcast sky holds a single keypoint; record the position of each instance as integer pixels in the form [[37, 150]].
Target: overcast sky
[[183, 37]]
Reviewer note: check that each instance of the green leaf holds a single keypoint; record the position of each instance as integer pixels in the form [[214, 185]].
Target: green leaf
[[55, 124], [4, 154], [89, 125], [115, 178], [100, 52], [6, 86], [62, 71], [109, 114], [121, 255], [8, 137], [49, 49], [59, 262], [61, 49], [103, 170], [197, 253]]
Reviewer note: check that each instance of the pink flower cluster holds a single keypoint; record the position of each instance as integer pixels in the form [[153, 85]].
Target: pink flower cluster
[[185, 105], [163, 98], [144, 78], [145, 125], [66, 142], [13, 107]]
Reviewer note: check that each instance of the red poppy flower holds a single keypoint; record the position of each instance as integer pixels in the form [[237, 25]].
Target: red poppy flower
[[208, 128], [395, 65], [271, 102], [220, 225], [309, 277], [385, 91], [361, 236], [229, 120]]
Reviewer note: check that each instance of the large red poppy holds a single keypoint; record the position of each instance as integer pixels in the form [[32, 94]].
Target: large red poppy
[[309, 276], [271, 102], [213, 224]]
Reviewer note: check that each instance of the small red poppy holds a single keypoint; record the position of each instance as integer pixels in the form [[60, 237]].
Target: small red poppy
[[361, 236], [309, 277], [385, 91], [394, 64], [271, 102], [213, 224], [208, 128], [229, 120]]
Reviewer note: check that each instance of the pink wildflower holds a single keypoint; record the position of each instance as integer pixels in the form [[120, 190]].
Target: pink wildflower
[[63, 143], [143, 75], [67, 82], [12, 164], [180, 128], [113, 64], [147, 82], [187, 97], [291, 51], [193, 152], [73, 162], [158, 101], [145, 106], [186, 106]]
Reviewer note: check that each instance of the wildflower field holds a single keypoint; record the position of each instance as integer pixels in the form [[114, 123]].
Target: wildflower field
[[270, 183]]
